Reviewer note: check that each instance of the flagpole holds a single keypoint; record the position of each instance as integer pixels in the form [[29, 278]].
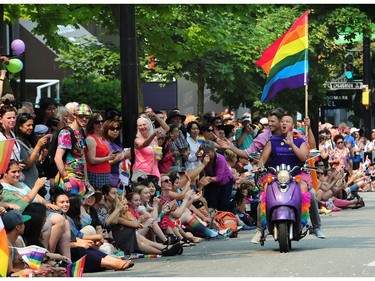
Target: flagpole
[[306, 101], [306, 71]]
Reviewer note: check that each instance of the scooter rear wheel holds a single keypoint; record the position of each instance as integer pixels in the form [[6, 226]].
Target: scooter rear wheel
[[283, 237]]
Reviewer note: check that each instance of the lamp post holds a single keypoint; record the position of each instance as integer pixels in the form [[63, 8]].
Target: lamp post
[[129, 74]]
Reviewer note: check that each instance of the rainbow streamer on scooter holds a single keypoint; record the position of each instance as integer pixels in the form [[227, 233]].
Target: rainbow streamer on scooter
[[263, 210], [306, 196]]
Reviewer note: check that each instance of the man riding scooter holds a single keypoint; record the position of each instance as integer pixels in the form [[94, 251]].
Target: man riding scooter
[[259, 143], [285, 150]]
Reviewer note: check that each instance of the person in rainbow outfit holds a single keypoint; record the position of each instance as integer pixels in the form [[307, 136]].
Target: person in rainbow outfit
[[70, 157]]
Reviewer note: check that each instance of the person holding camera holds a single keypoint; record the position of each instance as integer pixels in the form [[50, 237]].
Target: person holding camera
[[246, 134], [31, 146]]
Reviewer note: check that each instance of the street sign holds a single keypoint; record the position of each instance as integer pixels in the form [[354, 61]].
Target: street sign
[[345, 86], [339, 101]]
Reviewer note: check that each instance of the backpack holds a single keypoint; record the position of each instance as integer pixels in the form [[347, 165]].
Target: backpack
[[52, 147], [224, 220]]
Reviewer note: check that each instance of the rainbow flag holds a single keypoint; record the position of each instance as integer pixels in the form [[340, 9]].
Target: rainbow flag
[[124, 171], [286, 61], [32, 255], [145, 256], [75, 269], [201, 140], [6, 149], [4, 252]]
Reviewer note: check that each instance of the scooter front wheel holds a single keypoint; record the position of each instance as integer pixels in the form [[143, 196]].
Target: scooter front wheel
[[283, 236]]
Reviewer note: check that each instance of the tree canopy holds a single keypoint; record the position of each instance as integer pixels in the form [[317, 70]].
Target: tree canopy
[[215, 46]]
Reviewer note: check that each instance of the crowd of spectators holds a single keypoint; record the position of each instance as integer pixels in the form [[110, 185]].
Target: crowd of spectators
[[85, 195]]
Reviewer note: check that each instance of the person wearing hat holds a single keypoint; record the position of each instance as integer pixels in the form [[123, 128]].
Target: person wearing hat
[[14, 227], [70, 156], [90, 199], [245, 135], [262, 126], [112, 114], [177, 119]]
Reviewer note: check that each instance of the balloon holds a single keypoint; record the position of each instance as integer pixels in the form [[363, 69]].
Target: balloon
[[14, 66], [18, 46]]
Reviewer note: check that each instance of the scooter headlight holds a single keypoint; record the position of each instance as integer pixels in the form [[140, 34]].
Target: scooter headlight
[[283, 177]]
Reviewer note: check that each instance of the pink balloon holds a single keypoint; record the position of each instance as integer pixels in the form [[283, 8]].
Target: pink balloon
[[18, 46]]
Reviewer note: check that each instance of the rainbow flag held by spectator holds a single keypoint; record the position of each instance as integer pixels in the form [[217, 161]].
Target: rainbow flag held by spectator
[[75, 269], [4, 252], [6, 149], [32, 255], [201, 140], [124, 171], [286, 61]]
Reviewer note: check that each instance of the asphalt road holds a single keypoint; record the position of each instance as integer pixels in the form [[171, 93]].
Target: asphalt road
[[348, 251]]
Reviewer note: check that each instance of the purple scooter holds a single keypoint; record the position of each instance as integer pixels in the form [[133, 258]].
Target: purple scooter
[[283, 205]]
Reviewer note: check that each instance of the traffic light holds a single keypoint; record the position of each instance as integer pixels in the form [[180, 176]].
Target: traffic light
[[366, 96], [349, 66]]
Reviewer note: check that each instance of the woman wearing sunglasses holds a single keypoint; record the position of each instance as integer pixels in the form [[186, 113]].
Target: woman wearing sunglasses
[[97, 153], [112, 138], [339, 157], [31, 147]]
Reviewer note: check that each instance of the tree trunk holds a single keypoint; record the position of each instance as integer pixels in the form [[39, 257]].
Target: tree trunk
[[200, 97]]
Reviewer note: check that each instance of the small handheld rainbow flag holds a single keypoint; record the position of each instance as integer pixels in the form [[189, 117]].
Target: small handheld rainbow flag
[[32, 255], [6, 148], [201, 139], [4, 252], [75, 269], [124, 171], [146, 256]]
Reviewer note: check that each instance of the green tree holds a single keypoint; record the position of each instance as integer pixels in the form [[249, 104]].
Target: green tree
[[216, 46]]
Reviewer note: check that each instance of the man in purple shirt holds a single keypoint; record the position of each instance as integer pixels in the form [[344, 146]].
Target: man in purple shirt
[[274, 128], [258, 144], [218, 191]]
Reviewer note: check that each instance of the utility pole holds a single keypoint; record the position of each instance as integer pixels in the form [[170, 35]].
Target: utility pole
[[367, 81], [129, 74]]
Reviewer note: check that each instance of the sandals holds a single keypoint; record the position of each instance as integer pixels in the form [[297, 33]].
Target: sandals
[[359, 204], [127, 264], [171, 239], [186, 243], [175, 249]]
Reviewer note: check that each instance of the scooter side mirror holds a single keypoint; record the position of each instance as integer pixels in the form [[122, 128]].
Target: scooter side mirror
[[254, 155], [314, 153]]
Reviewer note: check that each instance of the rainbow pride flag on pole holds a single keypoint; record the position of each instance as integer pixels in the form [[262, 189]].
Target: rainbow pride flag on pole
[[32, 255], [286, 61], [6, 149], [75, 269], [4, 252]]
